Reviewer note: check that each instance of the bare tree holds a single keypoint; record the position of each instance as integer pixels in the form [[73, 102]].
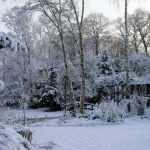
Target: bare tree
[[79, 23], [126, 40], [95, 26], [134, 38], [20, 25], [54, 12], [126, 43], [142, 23]]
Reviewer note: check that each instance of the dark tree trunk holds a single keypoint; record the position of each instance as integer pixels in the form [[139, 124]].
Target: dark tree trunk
[[96, 44], [82, 97], [144, 42]]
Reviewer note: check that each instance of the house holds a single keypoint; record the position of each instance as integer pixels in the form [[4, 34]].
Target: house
[[140, 86]]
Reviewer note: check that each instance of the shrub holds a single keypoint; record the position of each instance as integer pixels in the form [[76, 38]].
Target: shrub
[[109, 112], [136, 105], [10, 140]]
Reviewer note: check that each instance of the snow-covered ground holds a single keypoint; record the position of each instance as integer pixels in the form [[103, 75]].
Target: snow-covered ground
[[84, 134], [51, 132], [132, 135], [13, 116]]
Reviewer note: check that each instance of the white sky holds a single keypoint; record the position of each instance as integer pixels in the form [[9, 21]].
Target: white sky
[[107, 7], [111, 9]]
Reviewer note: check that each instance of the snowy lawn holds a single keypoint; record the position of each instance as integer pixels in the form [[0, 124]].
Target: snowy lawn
[[50, 132], [134, 134], [13, 116]]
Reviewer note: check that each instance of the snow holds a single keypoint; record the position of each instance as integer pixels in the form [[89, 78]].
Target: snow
[[13, 116], [10, 140], [85, 134], [2, 85], [141, 80], [133, 135], [54, 133]]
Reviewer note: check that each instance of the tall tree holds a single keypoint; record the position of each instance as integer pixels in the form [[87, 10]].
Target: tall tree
[[134, 37], [142, 23], [125, 52], [95, 27], [126, 40], [19, 23], [79, 23], [54, 11]]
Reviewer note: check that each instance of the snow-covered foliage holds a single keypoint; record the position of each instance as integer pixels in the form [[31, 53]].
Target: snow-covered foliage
[[90, 73], [24, 132], [53, 58], [41, 54], [14, 70], [100, 72], [109, 111], [2, 85], [109, 72], [52, 77], [104, 64], [135, 105], [6, 41], [104, 81], [139, 64], [45, 96], [11, 140]]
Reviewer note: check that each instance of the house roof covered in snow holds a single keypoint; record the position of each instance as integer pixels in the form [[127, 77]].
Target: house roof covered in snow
[[140, 80]]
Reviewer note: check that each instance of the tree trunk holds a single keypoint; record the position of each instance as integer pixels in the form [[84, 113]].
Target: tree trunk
[[79, 25], [126, 48], [82, 97], [135, 40], [144, 42], [126, 40], [135, 45], [61, 34], [30, 70], [97, 44], [66, 78]]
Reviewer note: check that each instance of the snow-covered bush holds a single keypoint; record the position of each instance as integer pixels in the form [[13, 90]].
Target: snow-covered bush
[[25, 133], [15, 71], [104, 64], [73, 82], [45, 96], [135, 105], [139, 64], [52, 76], [116, 79], [109, 112], [11, 140]]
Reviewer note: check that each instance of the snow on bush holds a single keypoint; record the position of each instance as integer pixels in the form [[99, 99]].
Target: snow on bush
[[10, 140], [2, 85], [25, 132], [116, 79], [139, 64], [109, 112], [136, 105]]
